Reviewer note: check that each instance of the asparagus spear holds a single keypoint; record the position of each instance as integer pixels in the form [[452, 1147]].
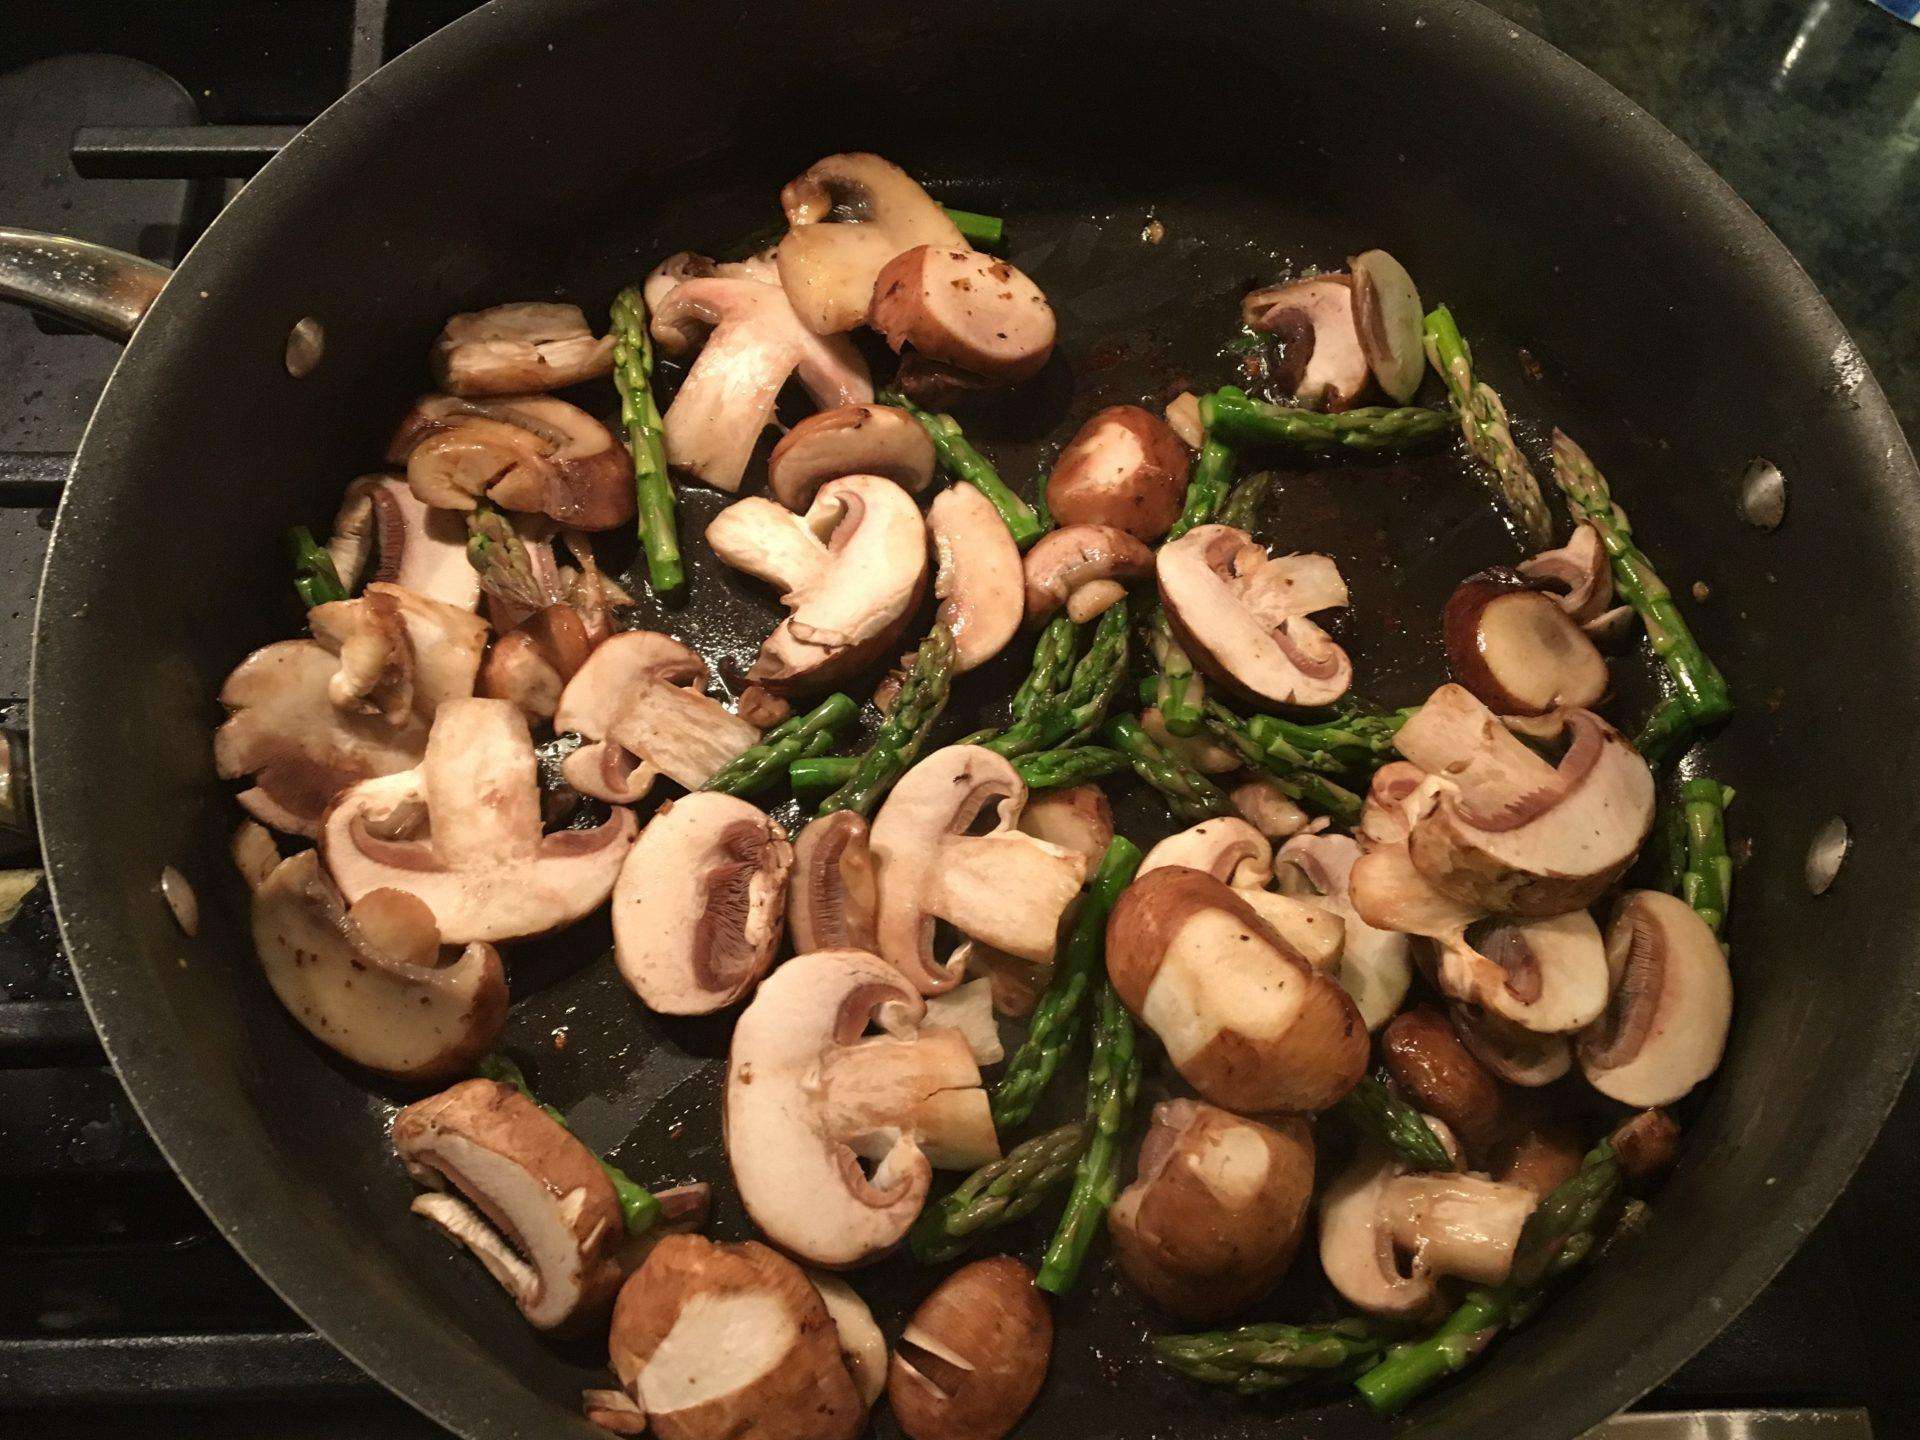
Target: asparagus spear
[[1373, 1109], [1243, 504], [997, 1194], [1408, 1370], [896, 744], [1069, 765], [640, 1209], [1669, 725], [1361, 741], [1189, 794], [499, 556], [1241, 420], [812, 776], [1052, 665], [646, 439], [1057, 1018], [1113, 1083], [1701, 688], [754, 769], [314, 575], [1572, 1210], [1707, 882], [1304, 785], [964, 462], [1258, 1359], [981, 231], [1483, 420], [1075, 711], [1207, 485], [1178, 691]]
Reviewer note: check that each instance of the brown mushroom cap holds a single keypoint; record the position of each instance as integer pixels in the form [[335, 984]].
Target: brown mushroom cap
[[978, 577], [1327, 368], [960, 308], [1514, 647], [1515, 1054], [1666, 1021], [1646, 1144], [831, 896], [974, 1355], [849, 440], [1442, 1078], [1082, 567], [1245, 1019], [517, 349], [1218, 1209], [1126, 468]]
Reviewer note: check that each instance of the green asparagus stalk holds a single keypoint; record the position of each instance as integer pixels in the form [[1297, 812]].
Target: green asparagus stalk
[[1189, 794], [1672, 855], [814, 776], [1242, 510], [1259, 1359], [981, 231], [1701, 688], [1668, 727], [1373, 1109], [499, 556], [1239, 419], [964, 462], [638, 1207], [1069, 765], [1483, 420], [897, 743], [1113, 1083], [1707, 882], [1052, 666], [762, 765], [1409, 1370], [1207, 486], [1076, 711], [314, 575], [1058, 1017], [1179, 692], [646, 440], [1574, 1209], [997, 1194], [1356, 743], [1304, 785]]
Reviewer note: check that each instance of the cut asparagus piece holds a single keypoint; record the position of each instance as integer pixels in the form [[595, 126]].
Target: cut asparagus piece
[[1179, 692], [1076, 711], [646, 437], [314, 575], [1069, 765], [1007, 1190], [1259, 1359], [964, 462], [762, 765], [898, 741], [1707, 881], [1207, 486], [1296, 781], [1373, 1109], [1189, 794], [981, 231], [1239, 419], [1113, 1083], [1483, 420]]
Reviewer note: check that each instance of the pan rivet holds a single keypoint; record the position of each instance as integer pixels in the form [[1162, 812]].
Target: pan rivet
[[306, 342], [1826, 854], [1763, 495]]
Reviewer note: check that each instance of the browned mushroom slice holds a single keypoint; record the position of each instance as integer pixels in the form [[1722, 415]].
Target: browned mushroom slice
[[1243, 616], [831, 898], [1357, 1251], [1442, 1078], [977, 578], [698, 907], [1126, 468], [1514, 647], [1646, 1144], [1074, 817], [532, 663], [974, 1355], [1399, 794], [1183, 418], [960, 308], [518, 349], [418, 548], [482, 868], [1227, 848], [849, 215], [528, 1199], [849, 440], [1082, 567], [1326, 368], [862, 1345], [1580, 578], [1218, 1209], [1387, 316], [1666, 1022]]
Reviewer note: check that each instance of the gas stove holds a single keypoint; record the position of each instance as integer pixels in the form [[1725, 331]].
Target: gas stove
[[122, 1305]]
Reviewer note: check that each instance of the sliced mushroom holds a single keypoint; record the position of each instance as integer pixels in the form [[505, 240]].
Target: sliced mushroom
[[831, 897], [934, 860], [532, 663], [974, 1355], [420, 549], [731, 1342], [1242, 615], [532, 1203], [1512, 833], [698, 907], [754, 343], [1387, 316], [969, 1010], [1399, 794], [1228, 849], [1376, 966], [862, 1345], [1646, 1144], [978, 577], [1217, 1212], [808, 1099], [1517, 1055], [878, 440], [638, 701], [1442, 1078], [1542, 1158], [1246, 1021], [963, 310], [1125, 468], [1264, 804], [1579, 576], [253, 850], [1512, 645], [1356, 1248], [849, 215], [1326, 366], [530, 453], [1666, 1021], [850, 572], [1183, 417], [482, 868], [373, 983], [518, 349], [1311, 930], [1075, 817], [1083, 567]]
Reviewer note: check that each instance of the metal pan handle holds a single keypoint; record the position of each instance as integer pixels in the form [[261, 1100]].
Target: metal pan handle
[[103, 289]]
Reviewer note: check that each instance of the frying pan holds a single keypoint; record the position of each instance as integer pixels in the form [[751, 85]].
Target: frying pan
[[1611, 283]]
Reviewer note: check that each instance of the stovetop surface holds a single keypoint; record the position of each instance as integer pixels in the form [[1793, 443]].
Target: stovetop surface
[[118, 1294]]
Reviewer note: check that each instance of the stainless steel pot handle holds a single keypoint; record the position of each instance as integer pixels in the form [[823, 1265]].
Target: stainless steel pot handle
[[103, 289]]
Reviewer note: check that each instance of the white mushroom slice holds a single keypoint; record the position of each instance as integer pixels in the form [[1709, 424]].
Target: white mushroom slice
[[851, 572], [756, 344], [978, 578], [969, 1010], [1460, 1225], [1243, 616], [862, 1345], [1357, 1251], [372, 983], [1511, 644], [697, 909], [878, 440], [831, 897], [1326, 366], [933, 861], [850, 215], [1387, 316], [255, 856], [1511, 833], [1311, 930], [524, 452], [538, 1211], [1126, 468], [959, 308], [483, 867], [1578, 575], [1666, 1022], [1264, 804], [1183, 415], [1082, 567], [1227, 848], [517, 349], [441, 653], [1074, 817], [808, 1098], [1376, 966], [420, 549], [1399, 795]]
